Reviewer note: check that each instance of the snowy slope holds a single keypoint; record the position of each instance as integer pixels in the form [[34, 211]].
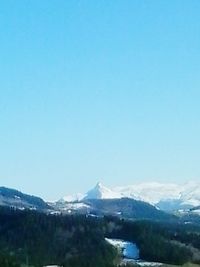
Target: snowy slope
[[166, 196], [102, 192], [191, 194], [150, 192]]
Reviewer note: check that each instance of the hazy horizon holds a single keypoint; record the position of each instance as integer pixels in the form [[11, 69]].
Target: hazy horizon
[[98, 91]]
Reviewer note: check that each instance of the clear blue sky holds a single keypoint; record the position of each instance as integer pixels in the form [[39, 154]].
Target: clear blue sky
[[98, 90]]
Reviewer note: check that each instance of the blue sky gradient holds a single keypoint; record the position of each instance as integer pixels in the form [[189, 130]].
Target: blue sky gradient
[[98, 90]]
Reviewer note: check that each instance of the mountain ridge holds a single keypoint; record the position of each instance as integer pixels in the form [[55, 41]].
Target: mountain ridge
[[165, 196]]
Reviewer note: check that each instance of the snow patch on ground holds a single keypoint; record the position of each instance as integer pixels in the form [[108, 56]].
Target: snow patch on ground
[[129, 250], [143, 263]]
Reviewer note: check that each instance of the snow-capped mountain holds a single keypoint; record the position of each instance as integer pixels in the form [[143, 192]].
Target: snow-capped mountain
[[98, 192], [166, 196], [150, 192], [102, 192]]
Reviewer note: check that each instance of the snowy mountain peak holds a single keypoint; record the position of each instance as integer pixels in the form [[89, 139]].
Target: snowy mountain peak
[[99, 185], [101, 192]]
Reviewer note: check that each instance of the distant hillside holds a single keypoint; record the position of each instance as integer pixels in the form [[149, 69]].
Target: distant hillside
[[127, 208], [13, 198]]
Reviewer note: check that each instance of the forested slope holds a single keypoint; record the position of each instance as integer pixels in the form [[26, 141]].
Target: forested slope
[[72, 241]]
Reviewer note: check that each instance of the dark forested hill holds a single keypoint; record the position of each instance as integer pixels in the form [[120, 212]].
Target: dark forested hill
[[44, 239], [127, 208], [14, 198]]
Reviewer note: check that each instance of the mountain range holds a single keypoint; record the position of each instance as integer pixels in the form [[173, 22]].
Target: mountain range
[[142, 201], [164, 196]]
